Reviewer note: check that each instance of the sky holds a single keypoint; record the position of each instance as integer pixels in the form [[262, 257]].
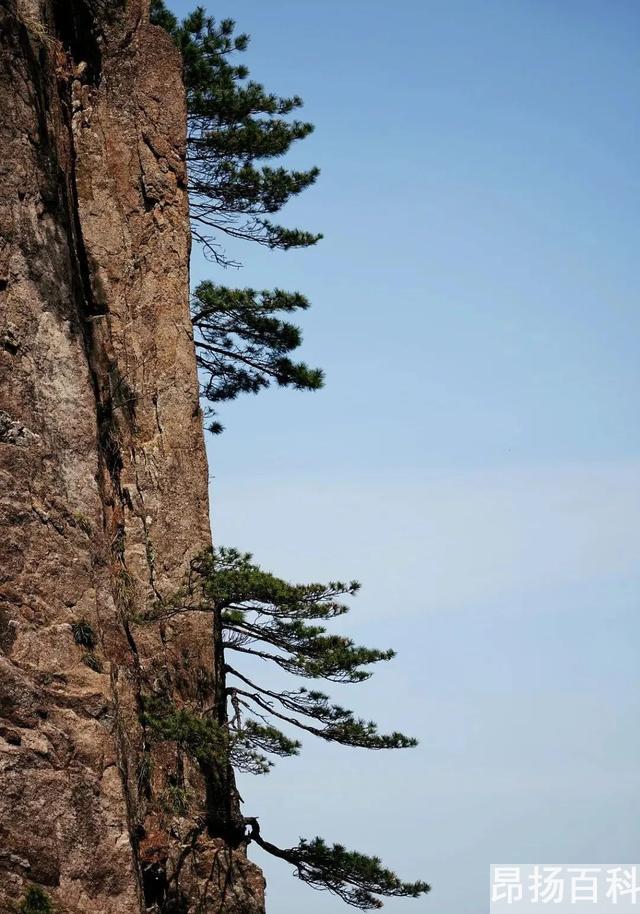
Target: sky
[[474, 458]]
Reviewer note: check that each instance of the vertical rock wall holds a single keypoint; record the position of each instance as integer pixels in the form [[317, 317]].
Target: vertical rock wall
[[103, 478]]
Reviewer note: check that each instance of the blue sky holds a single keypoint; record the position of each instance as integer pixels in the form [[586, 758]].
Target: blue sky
[[475, 457]]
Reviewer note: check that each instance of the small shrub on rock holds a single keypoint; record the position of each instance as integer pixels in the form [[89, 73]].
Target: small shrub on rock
[[83, 634]]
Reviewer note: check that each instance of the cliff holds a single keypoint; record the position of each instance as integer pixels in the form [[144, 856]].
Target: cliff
[[103, 491]]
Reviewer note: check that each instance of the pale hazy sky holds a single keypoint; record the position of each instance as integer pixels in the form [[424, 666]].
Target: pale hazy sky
[[475, 457]]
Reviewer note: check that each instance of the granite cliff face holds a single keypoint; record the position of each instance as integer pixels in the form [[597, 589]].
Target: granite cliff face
[[103, 477]]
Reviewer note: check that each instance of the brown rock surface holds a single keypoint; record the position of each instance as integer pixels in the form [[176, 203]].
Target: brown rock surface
[[103, 478]]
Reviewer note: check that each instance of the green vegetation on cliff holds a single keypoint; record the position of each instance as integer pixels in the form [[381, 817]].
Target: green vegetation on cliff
[[234, 126], [257, 615], [36, 901]]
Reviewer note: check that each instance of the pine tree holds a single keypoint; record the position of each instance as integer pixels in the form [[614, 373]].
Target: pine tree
[[243, 347], [260, 615], [234, 125]]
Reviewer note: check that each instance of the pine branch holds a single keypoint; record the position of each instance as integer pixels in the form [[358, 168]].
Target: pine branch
[[234, 124], [340, 725], [242, 346], [353, 877]]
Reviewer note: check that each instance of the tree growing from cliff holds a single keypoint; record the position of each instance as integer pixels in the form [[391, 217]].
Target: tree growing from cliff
[[234, 127], [234, 124], [259, 616], [243, 345]]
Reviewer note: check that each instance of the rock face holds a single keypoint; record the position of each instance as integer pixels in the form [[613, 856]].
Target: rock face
[[103, 477]]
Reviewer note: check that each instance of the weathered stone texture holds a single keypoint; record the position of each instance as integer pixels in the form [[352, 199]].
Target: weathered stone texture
[[103, 479]]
